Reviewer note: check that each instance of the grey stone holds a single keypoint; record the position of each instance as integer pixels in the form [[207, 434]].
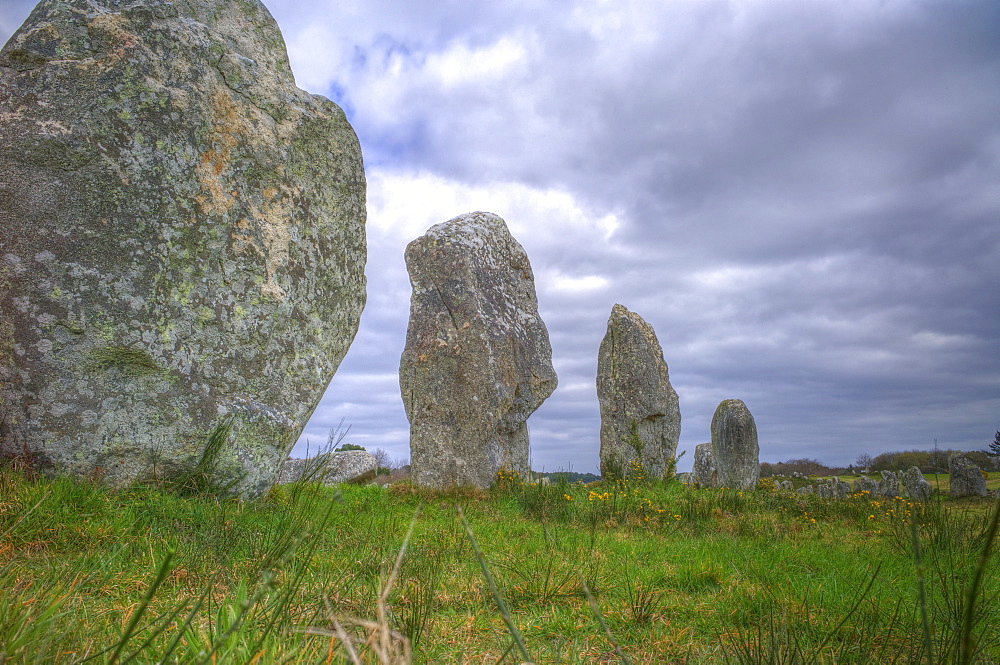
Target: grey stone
[[347, 466], [640, 417], [806, 489], [866, 484], [703, 472], [834, 488], [734, 446], [889, 485], [183, 240], [477, 360], [685, 478], [824, 490], [964, 477], [916, 486], [787, 485]]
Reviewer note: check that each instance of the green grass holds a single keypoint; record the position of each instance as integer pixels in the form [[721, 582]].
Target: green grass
[[563, 573]]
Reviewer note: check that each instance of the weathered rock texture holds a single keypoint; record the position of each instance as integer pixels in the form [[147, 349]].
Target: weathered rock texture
[[347, 466], [640, 417], [866, 484], [182, 239], [889, 485], [734, 446], [703, 472], [477, 360], [964, 477], [917, 487]]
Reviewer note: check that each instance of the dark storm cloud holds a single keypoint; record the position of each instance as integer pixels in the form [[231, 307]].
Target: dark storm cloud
[[802, 198]]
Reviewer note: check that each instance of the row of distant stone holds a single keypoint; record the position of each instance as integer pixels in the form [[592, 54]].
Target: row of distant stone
[[478, 363], [965, 479]]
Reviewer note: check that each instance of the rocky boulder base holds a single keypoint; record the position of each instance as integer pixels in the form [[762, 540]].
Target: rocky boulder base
[[183, 240], [477, 360], [704, 472], [965, 478], [916, 486], [734, 446], [347, 466], [640, 417]]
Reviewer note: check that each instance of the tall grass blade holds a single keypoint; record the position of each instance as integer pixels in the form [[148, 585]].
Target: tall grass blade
[[966, 647], [604, 626], [922, 593], [511, 628], [161, 575]]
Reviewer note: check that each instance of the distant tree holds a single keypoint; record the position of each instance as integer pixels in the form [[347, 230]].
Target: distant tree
[[381, 456], [349, 446], [864, 461], [994, 448]]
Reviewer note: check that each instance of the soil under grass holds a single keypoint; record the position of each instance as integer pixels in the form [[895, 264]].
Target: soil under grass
[[677, 574]]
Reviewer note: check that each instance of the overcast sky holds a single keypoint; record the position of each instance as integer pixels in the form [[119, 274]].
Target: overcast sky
[[802, 198]]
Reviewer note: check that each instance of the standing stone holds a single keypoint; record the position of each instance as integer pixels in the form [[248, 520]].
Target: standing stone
[[965, 478], [182, 240], [917, 487], [703, 471], [734, 446], [889, 485], [477, 360], [640, 417], [866, 484], [787, 485]]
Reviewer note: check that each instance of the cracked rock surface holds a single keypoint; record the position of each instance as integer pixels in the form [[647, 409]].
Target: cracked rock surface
[[182, 240], [477, 360]]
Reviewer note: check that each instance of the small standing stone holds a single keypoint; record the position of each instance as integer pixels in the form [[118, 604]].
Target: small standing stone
[[965, 478], [917, 487], [477, 360], [704, 472], [889, 487], [640, 417], [866, 484], [734, 446]]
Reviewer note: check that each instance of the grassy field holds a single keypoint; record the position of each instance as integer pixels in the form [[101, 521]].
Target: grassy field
[[640, 574]]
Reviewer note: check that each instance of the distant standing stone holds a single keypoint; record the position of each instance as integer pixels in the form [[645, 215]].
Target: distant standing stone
[[965, 478], [477, 360], [704, 472], [640, 417], [889, 486], [866, 484], [917, 487], [734, 446]]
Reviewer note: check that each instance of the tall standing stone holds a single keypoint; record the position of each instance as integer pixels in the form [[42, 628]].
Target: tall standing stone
[[640, 417], [182, 240], [964, 477], [734, 446], [917, 487], [477, 360], [704, 472]]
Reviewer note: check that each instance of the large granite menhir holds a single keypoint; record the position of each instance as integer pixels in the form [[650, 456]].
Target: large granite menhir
[[182, 240], [734, 446], [640, 417], [477, 360]]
